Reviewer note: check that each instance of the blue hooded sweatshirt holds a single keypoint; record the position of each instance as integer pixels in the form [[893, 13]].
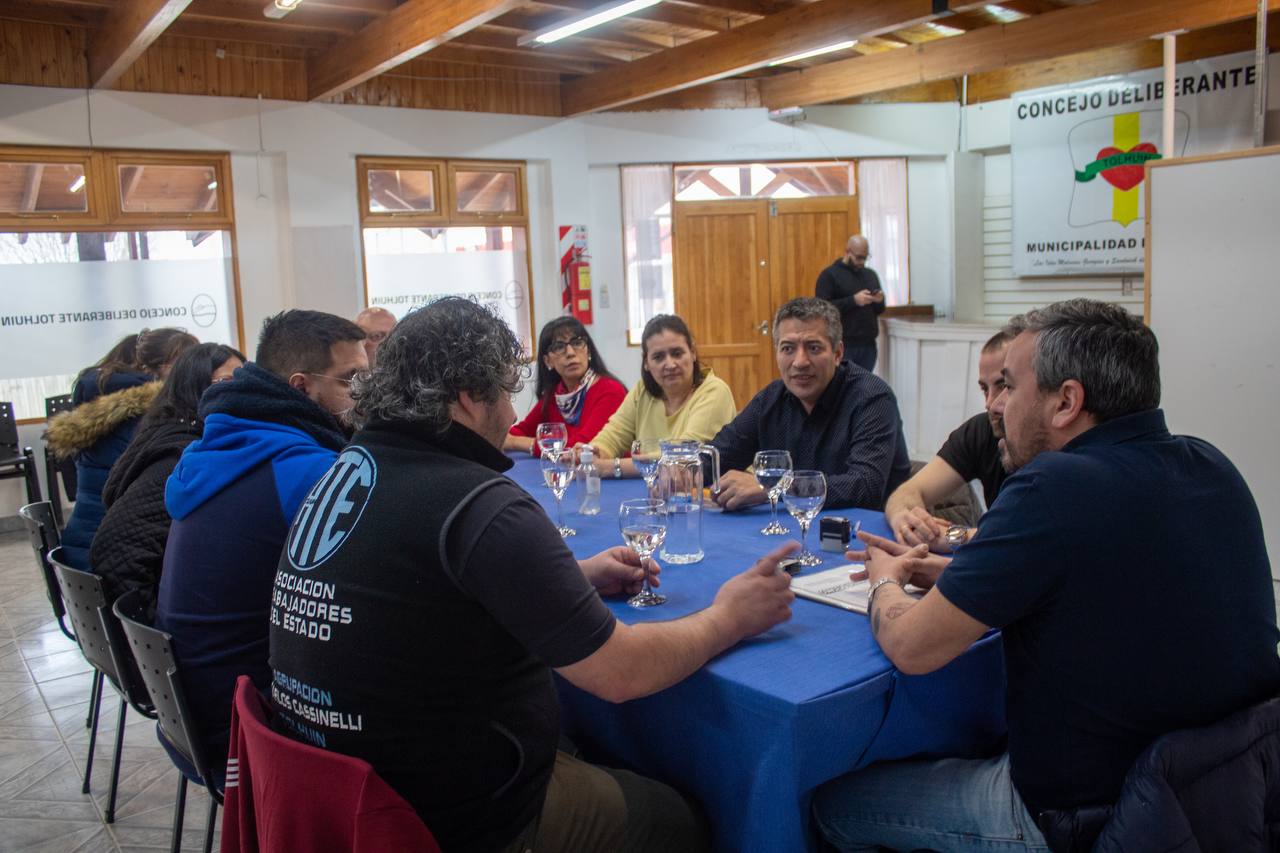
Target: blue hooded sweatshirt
[[232, 497]]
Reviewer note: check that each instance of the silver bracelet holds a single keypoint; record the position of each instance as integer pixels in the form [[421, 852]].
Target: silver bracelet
[[871, 593]]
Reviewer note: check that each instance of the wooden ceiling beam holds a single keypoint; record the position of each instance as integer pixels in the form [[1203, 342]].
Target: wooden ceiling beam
[[408, 31], [760, 8], [744, 48], [494, 40], [83, 16], [460, 53], [126, 33], [248, 33], [1068, 30]]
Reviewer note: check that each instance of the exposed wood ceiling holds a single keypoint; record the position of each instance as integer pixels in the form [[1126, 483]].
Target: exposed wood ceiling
[[466, 54]]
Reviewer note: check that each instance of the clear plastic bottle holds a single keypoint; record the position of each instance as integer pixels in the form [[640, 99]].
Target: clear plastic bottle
[[589, 480]]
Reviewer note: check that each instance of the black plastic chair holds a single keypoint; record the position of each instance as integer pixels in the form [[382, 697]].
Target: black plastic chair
[[105, 648], [44, 534], [153, 651], [53, 466], [16, 461]]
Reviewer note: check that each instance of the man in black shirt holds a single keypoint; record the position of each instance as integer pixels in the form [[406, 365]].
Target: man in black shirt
[[423, 599], [971, 452], [1092, 563], [854, 288], [832, 416]]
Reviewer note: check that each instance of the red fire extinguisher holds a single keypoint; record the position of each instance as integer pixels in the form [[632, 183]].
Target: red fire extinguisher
[[575, 272], [579, 281]]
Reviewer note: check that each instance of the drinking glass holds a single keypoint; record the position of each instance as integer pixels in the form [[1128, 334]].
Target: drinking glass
[[773, 473], [805, 495], [643, 523], [551, 437], [557, 470], [645, 453]]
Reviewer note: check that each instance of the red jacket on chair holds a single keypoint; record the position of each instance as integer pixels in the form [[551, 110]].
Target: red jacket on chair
[[287, 796]]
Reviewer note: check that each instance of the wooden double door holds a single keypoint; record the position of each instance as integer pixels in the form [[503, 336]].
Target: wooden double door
[[736, 262]]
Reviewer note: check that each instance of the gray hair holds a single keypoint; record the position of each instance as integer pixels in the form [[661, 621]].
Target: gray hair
[[434, 354], [1106, 349], [807, 309]]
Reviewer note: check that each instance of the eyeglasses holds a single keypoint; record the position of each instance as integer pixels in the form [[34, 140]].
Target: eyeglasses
[[346, 382], [558, 347], [861, 257]]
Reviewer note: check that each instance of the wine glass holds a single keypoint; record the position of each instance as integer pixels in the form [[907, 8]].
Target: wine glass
[[643, 523], [557, 471], [773, 473], [645, 453], [804, 498], [552, 436]]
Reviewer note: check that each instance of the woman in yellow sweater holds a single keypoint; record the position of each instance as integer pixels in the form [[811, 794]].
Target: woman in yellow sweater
[[677, 398]]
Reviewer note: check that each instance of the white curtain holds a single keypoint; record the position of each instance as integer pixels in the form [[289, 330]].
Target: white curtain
[[882, 207], [646, 224]]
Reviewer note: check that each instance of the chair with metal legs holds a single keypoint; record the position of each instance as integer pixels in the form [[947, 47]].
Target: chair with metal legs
[[153, 651], [104, 647], [43, 530]]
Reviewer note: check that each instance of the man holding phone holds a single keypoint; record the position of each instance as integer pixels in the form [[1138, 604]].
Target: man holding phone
[[854, 288]]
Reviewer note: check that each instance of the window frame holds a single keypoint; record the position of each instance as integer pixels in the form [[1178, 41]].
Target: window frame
[[95, 213], [221, 165], [104, 209], [402, 218], [449, 216]]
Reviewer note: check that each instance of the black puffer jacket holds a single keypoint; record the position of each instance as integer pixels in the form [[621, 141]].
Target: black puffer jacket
[[128, 549]]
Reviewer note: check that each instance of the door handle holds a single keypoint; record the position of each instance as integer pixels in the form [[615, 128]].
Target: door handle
[[763, 328]]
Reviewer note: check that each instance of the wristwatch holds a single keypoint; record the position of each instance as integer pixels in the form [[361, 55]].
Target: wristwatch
[[617, 468], [957, 535]]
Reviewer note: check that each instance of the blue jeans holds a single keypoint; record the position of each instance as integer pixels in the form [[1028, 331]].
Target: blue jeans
[[951, 804]]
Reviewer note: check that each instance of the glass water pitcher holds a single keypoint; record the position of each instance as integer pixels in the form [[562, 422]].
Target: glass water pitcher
[[679, 483]]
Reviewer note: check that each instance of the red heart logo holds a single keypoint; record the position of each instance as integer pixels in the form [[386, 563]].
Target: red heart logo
[[1124, 177]]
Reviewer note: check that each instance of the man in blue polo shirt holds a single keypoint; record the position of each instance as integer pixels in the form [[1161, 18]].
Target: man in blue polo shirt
[[1127, 570]]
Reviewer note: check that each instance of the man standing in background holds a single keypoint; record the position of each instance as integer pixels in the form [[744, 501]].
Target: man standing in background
[[377, 323], [854, 288]]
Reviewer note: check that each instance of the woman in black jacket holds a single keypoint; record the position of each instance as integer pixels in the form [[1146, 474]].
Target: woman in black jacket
[[128, 549]]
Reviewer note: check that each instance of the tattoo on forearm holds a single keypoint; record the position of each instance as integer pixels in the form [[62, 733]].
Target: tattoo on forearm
[[893, 612], [875, 621], [897, 610]]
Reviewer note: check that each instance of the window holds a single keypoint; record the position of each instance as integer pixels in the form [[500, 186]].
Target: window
[[95, 245], [763, 180], [465, 235], [882, 209], [646, 245]]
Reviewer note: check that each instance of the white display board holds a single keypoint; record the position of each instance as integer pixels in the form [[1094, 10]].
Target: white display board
[[1213, 300], [1078, 152]]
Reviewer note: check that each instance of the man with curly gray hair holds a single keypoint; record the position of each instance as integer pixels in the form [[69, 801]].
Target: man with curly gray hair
[[423, 598]]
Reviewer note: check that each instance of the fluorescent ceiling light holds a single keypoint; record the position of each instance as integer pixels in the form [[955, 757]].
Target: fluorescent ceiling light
[[1003, 15], [944, 30], [77, 185], [809, 54], [600, 15], [279, 8]]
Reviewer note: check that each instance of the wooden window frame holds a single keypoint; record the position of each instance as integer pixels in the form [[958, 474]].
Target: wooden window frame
[[449, 217], [102, 189], [405, 218], [494, 217], [141, 220], [95, 214]]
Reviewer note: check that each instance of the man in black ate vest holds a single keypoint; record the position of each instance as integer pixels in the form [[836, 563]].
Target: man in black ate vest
[[423, 599]]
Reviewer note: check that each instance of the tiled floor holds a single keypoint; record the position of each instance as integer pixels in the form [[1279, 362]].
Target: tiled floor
[[44, 698]]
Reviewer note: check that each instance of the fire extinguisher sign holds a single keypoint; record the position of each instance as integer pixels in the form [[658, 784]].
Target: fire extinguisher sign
[[575, 272]]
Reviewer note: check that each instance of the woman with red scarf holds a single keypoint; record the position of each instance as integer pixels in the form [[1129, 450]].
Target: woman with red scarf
[[574, 387]]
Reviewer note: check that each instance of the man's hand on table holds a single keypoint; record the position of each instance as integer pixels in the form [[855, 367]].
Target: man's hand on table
[[759, 598], [618, 571], [915, 526], [739, 489], [885, 558]]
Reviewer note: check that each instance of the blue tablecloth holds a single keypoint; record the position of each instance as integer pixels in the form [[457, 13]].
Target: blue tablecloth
[[757, 729]]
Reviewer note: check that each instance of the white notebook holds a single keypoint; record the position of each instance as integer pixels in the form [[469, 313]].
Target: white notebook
[[833, 587]]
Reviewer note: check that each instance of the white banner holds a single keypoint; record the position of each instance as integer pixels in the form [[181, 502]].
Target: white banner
[[58, 318], [496, 279], [1078, 154]]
